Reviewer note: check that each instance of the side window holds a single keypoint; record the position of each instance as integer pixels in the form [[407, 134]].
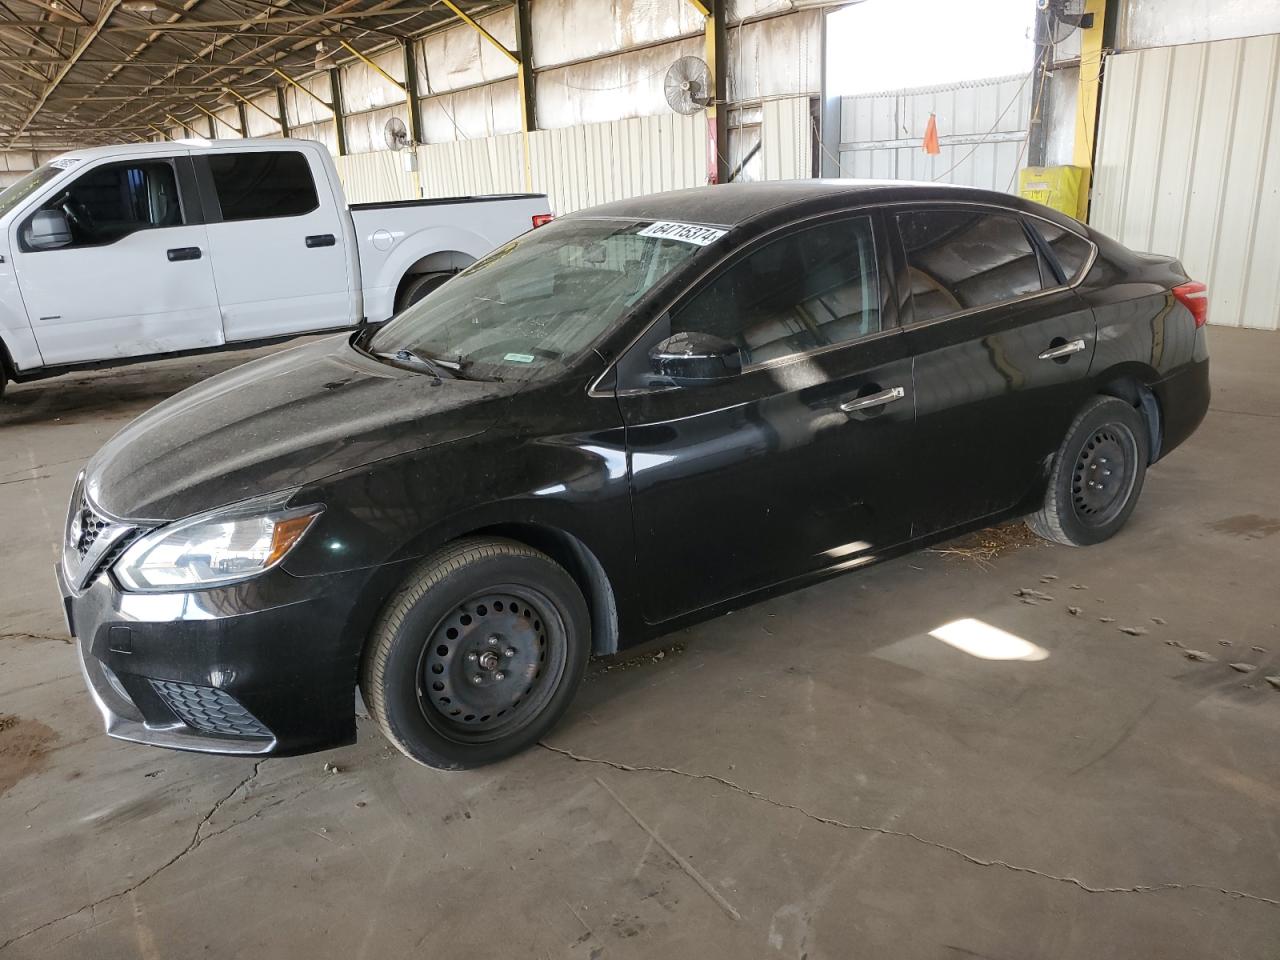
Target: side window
[[961, 259], [1072, 251], [263, 184], [809, 289], [115, 200]]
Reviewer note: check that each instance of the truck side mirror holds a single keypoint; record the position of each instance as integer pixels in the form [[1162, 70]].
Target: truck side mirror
[[49, 230], [693, 359]]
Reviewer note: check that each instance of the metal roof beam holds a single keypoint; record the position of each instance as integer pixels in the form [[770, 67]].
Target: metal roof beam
[[104, 14]]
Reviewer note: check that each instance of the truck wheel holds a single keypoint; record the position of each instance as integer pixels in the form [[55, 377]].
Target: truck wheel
[[1097, 475], [477, 655], [419, 287]]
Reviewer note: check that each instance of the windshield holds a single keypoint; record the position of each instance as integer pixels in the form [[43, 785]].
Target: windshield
[[537, 302], [10, 197]]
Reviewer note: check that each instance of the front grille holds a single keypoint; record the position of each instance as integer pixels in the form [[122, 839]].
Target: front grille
[[209, 709], [92, 524]]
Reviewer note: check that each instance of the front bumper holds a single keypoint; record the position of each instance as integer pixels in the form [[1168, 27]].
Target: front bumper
[[267, 666]]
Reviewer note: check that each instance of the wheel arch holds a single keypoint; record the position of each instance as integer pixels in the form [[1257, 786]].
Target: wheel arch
[[441, 261], [1132, 384]]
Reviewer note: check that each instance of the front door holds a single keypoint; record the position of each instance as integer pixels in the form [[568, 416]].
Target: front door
[[280, 257], [798, 464], [134, 277], [1002, 348]]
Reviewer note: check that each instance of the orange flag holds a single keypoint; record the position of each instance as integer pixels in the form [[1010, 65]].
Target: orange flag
[[931, 136]]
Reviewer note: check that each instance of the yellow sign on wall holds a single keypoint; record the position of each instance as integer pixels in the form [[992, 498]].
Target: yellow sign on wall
[[1061, 188]]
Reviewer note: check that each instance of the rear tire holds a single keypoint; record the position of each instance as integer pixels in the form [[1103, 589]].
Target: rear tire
[[419, 287], [477, 655], [1096, 476]]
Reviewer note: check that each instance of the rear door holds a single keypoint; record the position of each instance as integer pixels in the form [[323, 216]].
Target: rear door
[[1002, 348], [275, 228], [134, 278], [783, 470]]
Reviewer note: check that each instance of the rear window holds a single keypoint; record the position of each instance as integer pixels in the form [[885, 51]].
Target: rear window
[[263, 184], [958, 260], [1072, 251]]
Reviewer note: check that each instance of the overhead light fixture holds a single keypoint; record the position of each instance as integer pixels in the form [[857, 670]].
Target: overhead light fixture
[[139, 6], [324, 56]]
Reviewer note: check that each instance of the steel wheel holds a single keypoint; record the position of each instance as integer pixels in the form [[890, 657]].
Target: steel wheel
[[1104, 474], [491, 664]]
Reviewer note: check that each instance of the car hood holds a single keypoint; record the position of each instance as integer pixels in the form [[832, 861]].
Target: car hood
[[287, 419]]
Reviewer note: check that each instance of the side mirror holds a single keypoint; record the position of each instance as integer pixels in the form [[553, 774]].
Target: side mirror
[[49, 230], [694, 359]]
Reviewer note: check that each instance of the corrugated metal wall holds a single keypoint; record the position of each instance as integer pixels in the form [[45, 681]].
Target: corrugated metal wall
[[584, 165], [1188, 163], [982, 127]]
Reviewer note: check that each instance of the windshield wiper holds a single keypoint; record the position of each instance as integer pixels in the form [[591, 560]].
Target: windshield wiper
[[433, 365]]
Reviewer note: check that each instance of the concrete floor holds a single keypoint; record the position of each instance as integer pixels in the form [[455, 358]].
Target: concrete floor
[[813, 777]]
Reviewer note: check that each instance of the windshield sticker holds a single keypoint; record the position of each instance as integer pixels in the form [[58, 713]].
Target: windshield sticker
[[519, 357], [684, 232], [66, 163]]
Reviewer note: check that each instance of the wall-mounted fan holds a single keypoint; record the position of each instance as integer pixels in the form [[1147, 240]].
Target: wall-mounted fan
[[1065, 17], [396, 134], [688, 85]]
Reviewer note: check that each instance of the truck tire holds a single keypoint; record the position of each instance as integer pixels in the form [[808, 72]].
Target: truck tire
[[1096, 476], [419, 287], [477, 655]]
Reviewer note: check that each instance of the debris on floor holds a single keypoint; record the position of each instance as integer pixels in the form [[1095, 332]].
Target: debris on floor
[[1244, 667], [331, 767], [1201, 656], [1074, 611], [1134, 631], [1160, 621], [1078, 586], [1274, 681], [983, 546], [1106, 619], [1035, 596]]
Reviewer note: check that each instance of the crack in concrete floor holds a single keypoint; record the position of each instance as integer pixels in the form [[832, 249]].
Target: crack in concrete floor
[[905, 835], [197, 838]]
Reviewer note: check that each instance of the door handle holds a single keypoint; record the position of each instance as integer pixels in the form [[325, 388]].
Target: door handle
[[1063, 350], [183, 253], [874, 400], [321, 240]]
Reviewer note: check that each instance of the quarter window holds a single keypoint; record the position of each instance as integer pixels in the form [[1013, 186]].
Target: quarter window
[[801, 292], [263, 184], [112, 201], [960, 259], [1072, 251]]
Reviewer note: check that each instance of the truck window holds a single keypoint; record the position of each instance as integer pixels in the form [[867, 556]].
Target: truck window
[[262, 184], [115, 200]]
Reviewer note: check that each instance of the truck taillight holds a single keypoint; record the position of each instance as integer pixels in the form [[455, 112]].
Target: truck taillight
[[542, 219], [1195, 297]]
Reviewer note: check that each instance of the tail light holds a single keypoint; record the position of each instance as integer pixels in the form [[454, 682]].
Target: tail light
[[1195, 297], [542, 219]]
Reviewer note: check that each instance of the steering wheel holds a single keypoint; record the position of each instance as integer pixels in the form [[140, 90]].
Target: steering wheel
[[78, 215]]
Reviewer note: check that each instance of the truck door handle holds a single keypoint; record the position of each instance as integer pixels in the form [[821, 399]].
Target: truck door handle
[[873, 400], [1063, 350], [183, 253], [321, 240]]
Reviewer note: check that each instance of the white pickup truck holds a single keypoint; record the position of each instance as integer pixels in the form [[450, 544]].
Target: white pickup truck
[[118, 254]]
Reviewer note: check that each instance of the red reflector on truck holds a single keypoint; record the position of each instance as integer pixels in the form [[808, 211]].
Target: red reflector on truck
[[1195, 297], [542, 219]]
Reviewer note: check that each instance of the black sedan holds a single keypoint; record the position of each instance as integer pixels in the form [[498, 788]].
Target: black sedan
[[639, 416]]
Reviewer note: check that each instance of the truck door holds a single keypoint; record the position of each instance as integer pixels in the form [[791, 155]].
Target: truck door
[[280, 259], [118, 265]]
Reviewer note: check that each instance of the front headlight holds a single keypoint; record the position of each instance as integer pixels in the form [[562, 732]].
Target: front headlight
[[215, 548]]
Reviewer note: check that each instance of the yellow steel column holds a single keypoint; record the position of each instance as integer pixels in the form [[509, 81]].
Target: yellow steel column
[[1090, 85]]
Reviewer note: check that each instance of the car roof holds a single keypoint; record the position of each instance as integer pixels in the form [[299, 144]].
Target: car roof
[[170, 146], [733, 204]]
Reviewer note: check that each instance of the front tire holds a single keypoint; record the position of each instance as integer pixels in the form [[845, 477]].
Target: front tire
[[477, 655], [1096, 476]]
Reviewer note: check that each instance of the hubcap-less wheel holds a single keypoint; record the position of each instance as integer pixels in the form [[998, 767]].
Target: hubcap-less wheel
[[491, 664], [1104, 474]]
